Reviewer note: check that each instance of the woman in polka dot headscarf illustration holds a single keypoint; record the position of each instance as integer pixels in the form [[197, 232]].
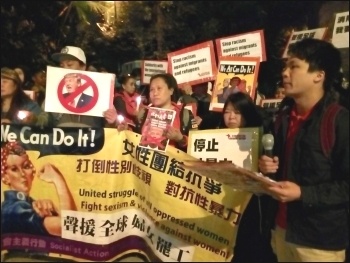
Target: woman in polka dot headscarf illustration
[[20, 213]]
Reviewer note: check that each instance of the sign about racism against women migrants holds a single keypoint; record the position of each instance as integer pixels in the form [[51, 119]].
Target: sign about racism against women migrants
[[105, 203], [235, 74], [250, 44], [193, 65], [78, 92], [340, 37], [318, 33], [152, 67]]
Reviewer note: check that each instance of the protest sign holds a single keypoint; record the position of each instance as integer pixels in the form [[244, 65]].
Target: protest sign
[[240, 146], [318, 33], [154, 128], [229, 156], [234, 74], [193, 65], [250, 44], [340, 37], [270, 103], [111, 197], [152, 67], [78, 92]]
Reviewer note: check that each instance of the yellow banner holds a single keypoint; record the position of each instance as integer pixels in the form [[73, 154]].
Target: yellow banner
[[113, 198]]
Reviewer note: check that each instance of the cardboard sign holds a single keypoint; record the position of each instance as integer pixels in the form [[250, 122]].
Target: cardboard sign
[[244, 69], [340, 38], [250, 44], [193, 65], [152, 67], [270, 103], [78, 92], [318, 33]]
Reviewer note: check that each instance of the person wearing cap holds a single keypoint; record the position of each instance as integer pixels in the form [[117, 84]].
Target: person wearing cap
[[16, 106], [72, 57]]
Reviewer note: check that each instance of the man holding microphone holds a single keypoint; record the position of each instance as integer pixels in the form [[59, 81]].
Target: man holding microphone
[[310, 220]]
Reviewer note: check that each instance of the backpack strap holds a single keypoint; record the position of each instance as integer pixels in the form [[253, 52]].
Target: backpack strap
[[327, 131]]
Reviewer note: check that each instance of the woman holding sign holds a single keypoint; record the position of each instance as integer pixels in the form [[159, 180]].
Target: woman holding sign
[[16, 106], [164, 93], [251, 246]]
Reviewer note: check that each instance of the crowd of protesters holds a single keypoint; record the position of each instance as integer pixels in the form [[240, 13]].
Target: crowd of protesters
[[305, 217]]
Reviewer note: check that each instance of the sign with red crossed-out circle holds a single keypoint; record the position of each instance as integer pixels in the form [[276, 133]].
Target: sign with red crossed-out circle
[[66, 100]]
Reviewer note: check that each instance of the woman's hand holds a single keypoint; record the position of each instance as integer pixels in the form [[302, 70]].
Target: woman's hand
[[110, 115], [26, 117], [174, 134], [49, 173], [45, 208]]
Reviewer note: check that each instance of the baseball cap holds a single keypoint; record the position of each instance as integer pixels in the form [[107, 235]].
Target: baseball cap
[[70, 52], [8, 73]]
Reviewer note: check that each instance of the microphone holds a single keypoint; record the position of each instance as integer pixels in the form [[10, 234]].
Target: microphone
[[267, 142]]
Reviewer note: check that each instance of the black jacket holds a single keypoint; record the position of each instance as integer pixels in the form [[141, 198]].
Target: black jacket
[[320, 218]]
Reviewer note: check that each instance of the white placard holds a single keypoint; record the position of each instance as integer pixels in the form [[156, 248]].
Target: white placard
[[240, 146], [93, 96], [318, 33], [152, 67], [340, 38], [250, 44]]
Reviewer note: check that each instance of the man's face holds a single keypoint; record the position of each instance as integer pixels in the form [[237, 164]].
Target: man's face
[[40, 78], [234, 82], [155, 132], [297, 80], [72, 83], [72, 64]]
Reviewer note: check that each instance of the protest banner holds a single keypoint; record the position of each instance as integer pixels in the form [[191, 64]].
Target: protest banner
[[152, 67], [110, 197], [78, 92], [193, 65], [250, 44], [340, 37], [234, 74], [318, 33]]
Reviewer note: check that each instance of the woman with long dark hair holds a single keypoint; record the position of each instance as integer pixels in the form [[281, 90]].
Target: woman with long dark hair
[[16, 106]]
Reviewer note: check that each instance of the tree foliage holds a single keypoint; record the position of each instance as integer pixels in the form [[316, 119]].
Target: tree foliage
[[33, 30]]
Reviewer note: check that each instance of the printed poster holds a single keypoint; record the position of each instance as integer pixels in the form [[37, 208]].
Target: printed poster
[[152, 67], [340, 37], [251, 44], [318, 33], [193, 65], [78, 92], [229, 156], [106, 197], [154, 128], [235, 74]]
